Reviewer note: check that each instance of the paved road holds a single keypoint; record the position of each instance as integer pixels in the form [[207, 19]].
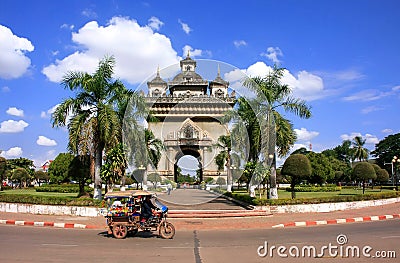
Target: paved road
[[30, 244], [188, 199]]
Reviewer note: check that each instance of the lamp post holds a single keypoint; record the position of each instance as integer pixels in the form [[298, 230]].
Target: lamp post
[[144, 178], [395, 161]]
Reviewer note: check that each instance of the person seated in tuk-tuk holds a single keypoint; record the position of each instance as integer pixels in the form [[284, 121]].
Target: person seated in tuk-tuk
[[147, 208]]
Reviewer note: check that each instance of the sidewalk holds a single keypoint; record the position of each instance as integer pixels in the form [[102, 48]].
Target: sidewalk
[[199, 220]]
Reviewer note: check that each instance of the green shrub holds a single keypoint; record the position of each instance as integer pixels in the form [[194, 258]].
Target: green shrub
[[314, 189], [244, 197], [64, 188], [331, 199], [48, 200]]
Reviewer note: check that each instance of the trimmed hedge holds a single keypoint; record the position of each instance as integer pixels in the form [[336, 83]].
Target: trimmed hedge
[[244, 197], [48, 200], [314, 189], [64, 188], [241, 197]]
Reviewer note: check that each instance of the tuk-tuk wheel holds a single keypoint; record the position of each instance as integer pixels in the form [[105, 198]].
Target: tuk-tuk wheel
[[167, 230], [120, 231]]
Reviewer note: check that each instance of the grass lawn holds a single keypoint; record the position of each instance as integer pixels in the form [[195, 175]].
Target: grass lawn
[[283, 194], [33, 192]]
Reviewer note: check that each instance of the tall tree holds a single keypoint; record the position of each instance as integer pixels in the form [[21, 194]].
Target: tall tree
[[298, 167], [20, 175], [115, 164], [79, 170], [363, 171], [387, 148], [97, 97], [41, 176], [223, 159], [321, 168], [273, 95], [21, 163], [359, 151], [59, 168], [3, 168], [342, 152], [147, 154]]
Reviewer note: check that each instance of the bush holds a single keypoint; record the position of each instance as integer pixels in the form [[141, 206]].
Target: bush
[[244, 197], [314, 189], [48, 200], [64, 188], [332, 199]]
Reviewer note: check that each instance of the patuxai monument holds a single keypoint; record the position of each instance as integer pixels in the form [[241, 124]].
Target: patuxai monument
[[188, 109]]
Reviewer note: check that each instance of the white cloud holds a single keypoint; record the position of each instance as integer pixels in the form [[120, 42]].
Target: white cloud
[[369, 138], [368, 95], [387, 131], [44, 141], [305, 85], [12, 152], [155, 23], [137, 50], [371, 109], [12, 126], [5, 89], [239, 43], [13, 61], [195, 52], [304, 135], [258, 69], [47, 114], [272, 54], [15, 112], [89, 13], [185, 27], [67, 26]]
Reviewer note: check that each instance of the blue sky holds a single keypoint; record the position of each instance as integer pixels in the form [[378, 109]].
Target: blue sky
[[343, 57]]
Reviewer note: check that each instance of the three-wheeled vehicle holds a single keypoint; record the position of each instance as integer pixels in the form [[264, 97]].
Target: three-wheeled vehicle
[[125, 213]]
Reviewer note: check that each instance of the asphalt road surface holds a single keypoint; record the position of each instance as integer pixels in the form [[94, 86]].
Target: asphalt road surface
[[35, 244]]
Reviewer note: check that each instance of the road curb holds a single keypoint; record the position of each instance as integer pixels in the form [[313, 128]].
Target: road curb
[[47, 224], [336, 221], [215, 213]]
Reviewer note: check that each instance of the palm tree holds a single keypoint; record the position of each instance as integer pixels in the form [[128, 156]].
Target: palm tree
[[359, 152], [224, 158], [148, 154], [271, 96], [115, 165], [94, 108]]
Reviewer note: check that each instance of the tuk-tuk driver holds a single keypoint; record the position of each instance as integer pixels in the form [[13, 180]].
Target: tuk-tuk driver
[[147, 209]]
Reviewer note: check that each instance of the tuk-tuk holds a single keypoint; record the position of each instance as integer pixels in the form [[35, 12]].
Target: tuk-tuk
[[134, 210]]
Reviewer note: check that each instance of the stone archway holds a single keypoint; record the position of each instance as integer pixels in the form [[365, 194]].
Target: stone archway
[[192, 152]]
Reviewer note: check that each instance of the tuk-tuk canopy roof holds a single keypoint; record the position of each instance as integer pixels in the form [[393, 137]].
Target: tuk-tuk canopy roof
[[129, 193]]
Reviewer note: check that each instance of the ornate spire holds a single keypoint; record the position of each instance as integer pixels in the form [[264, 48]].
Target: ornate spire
[[219, 71], [158, 70], [188, 53]]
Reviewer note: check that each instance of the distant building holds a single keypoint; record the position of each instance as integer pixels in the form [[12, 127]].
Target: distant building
[[46, 165]]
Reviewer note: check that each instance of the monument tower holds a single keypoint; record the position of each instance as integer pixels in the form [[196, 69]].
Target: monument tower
[[188, 109]]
